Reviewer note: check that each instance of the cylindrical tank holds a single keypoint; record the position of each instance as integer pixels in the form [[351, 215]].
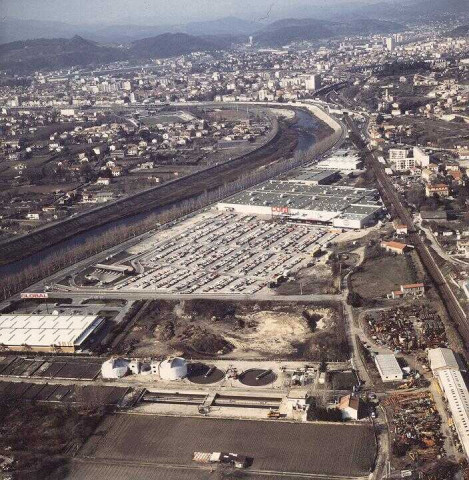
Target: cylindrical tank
[[114, 368], [173, 368]]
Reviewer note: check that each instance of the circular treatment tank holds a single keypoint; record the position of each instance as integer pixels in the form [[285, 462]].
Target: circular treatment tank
[[257, 377], [204, 374]]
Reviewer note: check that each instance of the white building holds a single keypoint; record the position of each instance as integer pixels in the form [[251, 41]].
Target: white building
[[339, 162], [465, 287], [46, 333], [405, 159], [422, 160], [313, 83], [388, 368], [447, 370], [456, 393], [350, 407], [442, 358], [67, 112], [401, 159]]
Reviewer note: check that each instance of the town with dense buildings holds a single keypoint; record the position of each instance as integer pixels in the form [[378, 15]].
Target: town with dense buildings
[[249, 262]]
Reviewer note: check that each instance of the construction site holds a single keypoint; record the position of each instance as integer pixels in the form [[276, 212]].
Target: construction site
[[239, 330]]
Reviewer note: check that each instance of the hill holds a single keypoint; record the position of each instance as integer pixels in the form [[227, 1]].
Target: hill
[[289, 30], [174, 44], [461, 31], [222, 26], [13, 29], [415, 9], [30, 55]]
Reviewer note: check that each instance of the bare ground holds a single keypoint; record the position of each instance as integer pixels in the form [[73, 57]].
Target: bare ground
[[241, 330]]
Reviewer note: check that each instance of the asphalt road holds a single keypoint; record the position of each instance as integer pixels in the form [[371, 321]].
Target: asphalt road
[[143, 295]]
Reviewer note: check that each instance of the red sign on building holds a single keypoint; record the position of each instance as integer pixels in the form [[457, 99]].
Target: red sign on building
[[280, 210]]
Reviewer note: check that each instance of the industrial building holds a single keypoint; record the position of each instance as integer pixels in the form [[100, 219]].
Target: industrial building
[[341, 207], [445, 367], [343, 160], [388, 368], [314, 176], [47, 333], [443, 358]]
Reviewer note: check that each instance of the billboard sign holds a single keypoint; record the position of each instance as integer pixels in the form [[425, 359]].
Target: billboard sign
[[26, 295]]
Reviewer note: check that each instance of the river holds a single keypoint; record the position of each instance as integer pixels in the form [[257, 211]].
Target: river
[[305, 125]]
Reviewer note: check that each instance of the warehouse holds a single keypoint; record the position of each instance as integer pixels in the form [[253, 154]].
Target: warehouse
[[343, 160], [456, 393], [443, 358], [447, 368], [388, 368], [341, 207], [47, 333], [313, 176]]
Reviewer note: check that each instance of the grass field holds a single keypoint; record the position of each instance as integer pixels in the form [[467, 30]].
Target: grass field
[[327, 449], [380, 275]]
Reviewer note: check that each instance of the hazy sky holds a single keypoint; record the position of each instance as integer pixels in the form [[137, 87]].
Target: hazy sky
[[151, 11]]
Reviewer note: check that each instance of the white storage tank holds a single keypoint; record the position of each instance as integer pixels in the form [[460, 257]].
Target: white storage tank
[[173, 368], [114, 368]]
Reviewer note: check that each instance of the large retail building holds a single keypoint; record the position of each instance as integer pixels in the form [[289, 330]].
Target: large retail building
[[341, 207]]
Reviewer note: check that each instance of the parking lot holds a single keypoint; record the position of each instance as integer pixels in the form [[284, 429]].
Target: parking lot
[[223, 253]]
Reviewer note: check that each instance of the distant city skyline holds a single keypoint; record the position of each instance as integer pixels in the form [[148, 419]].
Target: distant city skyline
[[155, 12]]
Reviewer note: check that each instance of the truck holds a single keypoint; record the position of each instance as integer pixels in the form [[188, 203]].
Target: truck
[[233, 459]]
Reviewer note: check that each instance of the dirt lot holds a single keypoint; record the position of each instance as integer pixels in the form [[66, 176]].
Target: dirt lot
[[276, 446], [316, 280], [381, 273], [238, 330]]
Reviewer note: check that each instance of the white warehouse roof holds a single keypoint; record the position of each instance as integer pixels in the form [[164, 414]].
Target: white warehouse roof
[[388, 367], [452, 383], [46, 330], [442, 358]]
